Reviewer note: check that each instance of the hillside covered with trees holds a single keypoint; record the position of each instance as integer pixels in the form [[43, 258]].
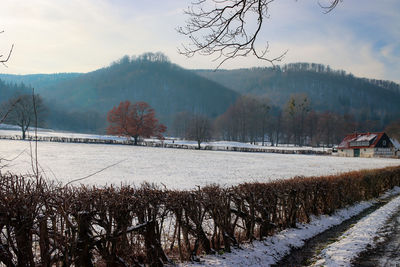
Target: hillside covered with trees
[[80, 101], [327, 89], [9, 90]]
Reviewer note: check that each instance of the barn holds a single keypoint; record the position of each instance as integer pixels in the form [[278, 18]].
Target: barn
[[366, 145]]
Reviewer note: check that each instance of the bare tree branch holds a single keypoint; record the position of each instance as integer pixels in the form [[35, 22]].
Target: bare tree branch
[[94, 173], [331, 6], [3, 61], [35, 166], [228, 29], [10, 108]]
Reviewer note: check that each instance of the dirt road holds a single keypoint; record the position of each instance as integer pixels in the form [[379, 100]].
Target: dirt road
[[387, 251]]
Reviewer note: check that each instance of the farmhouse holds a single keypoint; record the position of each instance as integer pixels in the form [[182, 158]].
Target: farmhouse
[[366, 145]]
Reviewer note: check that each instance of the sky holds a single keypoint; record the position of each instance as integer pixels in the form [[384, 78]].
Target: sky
[[52, 36]]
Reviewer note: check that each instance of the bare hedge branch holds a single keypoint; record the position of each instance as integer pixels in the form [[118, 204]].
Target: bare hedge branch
[[46, 224]]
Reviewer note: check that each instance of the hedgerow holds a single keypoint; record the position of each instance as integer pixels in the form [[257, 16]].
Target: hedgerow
[[46, 224]]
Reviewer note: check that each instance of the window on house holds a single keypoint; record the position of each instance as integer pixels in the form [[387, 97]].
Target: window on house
[[384, 142]]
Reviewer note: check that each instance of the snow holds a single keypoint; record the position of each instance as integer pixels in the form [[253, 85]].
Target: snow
[[222, 145], [275, 248], [357, 238], [272, 249], [367, 137], [11, 130], [186, 169], [175, 168]]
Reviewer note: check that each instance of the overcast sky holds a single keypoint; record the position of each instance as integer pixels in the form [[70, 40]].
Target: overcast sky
[[359, 36]]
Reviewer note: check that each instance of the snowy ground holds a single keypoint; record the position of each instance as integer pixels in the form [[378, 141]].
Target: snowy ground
[[272, 249], [185, 169], [361, 236], [10, 130], [175, 168]]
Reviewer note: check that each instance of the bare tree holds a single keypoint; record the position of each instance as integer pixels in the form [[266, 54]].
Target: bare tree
[[225, 28], [22, 111], [7, 109], [264, 108], [3, 117], [180, 124], [246, 120], [296, 110], [393, 129], [199, 129]]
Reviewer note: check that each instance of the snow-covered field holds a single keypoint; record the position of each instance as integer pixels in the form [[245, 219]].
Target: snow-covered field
[[185, 169], [10, 130], [175, 168]]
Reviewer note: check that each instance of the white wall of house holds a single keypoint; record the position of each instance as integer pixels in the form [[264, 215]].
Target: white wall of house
[[345, 153], [367, 152], [384, 152]]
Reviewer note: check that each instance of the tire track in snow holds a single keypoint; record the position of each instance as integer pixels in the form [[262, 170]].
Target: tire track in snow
[[359, 238]]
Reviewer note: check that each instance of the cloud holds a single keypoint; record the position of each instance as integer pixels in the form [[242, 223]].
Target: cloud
[[71, 35]]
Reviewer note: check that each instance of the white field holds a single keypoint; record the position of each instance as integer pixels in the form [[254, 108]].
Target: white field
[[13, 131], [175, 168]]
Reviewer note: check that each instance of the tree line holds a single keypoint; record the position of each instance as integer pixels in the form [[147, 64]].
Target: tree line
[[328, 89], [257, 120], [24, 111], [251, 118]]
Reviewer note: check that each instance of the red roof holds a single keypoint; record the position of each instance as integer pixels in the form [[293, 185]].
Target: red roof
[[371, 138]]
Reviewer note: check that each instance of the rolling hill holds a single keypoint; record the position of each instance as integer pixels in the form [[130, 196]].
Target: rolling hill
[[328, 90], [80, 101]]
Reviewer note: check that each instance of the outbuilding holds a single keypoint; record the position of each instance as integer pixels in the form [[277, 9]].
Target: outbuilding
[[366, 145]]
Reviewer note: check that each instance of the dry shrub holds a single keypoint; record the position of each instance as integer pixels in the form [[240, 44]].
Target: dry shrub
[[46, 224]]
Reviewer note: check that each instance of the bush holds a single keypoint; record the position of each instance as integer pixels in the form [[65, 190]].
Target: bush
[[47, 224]]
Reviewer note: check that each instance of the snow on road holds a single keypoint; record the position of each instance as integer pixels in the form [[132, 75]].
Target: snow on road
[[359, 237], [175, 168], [271, 250]]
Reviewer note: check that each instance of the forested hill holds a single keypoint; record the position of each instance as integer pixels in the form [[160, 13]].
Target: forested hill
[[38, 80], [328, 90], [79, 101], [151, 78], [9, 90]]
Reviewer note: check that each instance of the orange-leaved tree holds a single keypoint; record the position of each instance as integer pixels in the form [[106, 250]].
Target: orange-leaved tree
[[137, 120]]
